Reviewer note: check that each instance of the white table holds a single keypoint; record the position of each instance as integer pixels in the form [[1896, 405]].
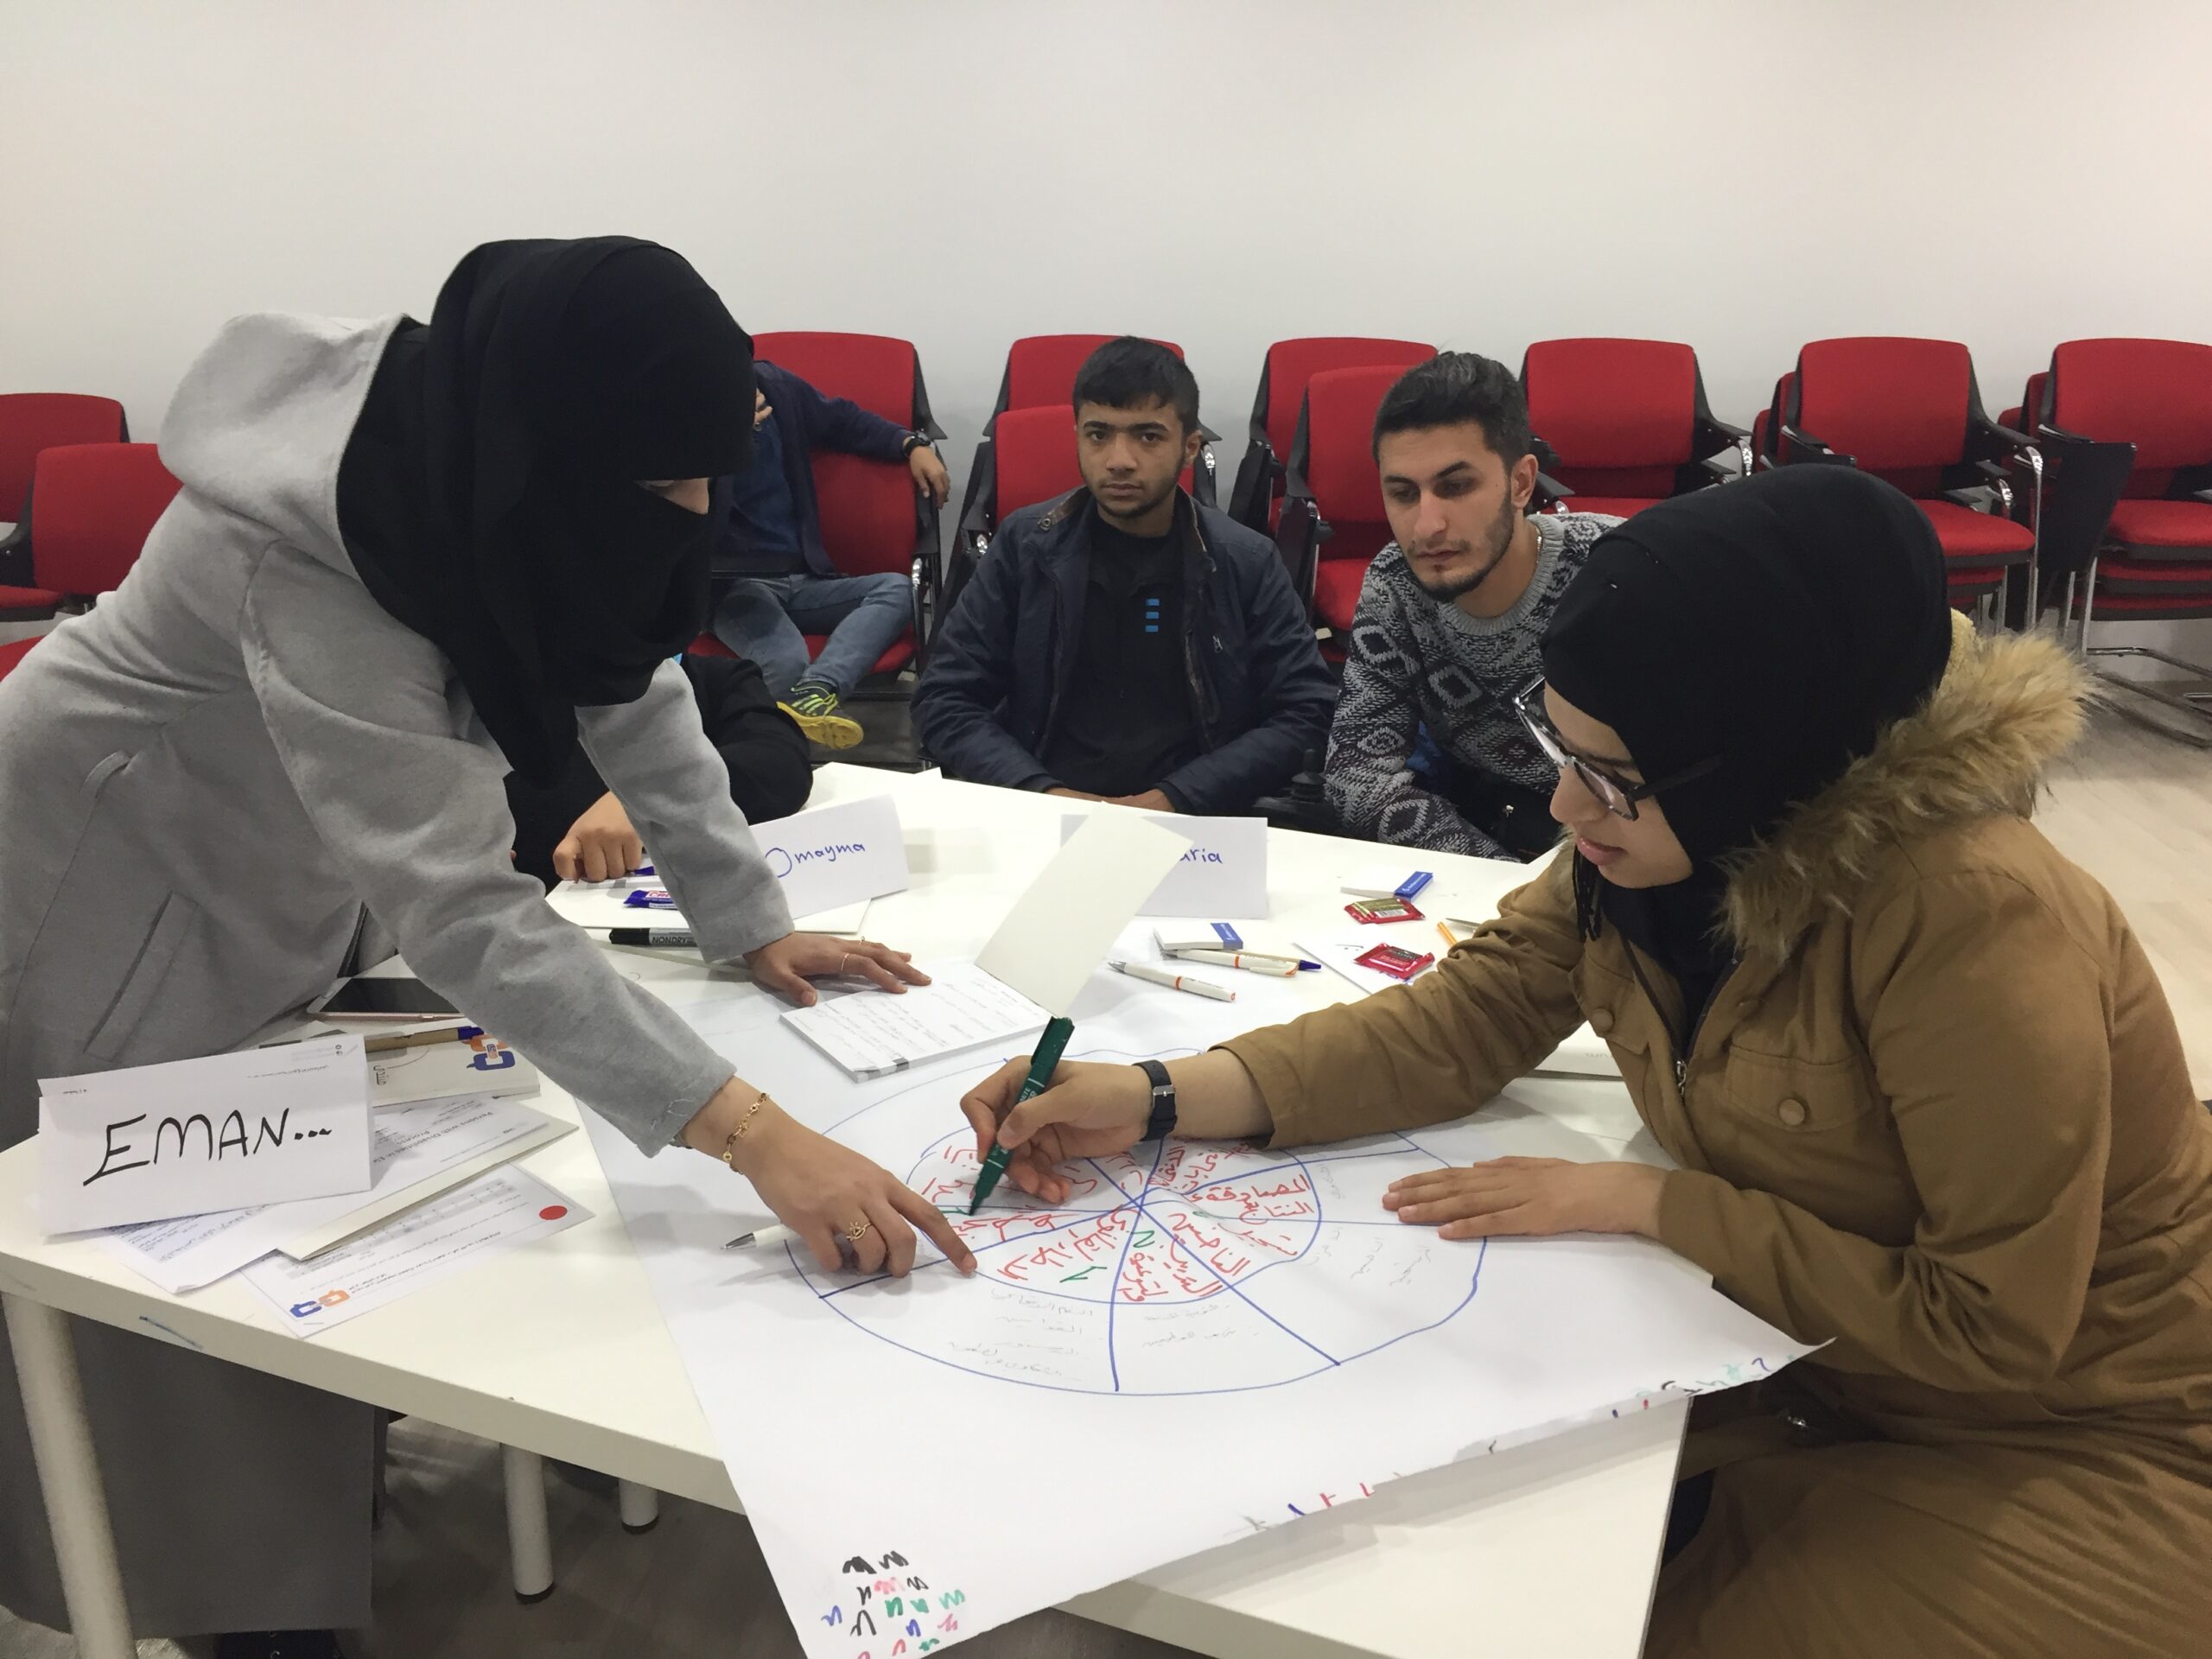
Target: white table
[[1557, 1543]]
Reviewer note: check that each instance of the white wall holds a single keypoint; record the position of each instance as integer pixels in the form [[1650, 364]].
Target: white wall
[[1744, 175]]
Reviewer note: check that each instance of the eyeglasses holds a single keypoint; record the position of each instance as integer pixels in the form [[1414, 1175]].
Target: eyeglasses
[[1616, 794]]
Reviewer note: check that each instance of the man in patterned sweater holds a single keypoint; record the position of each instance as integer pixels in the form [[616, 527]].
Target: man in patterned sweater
[[1427, 750]]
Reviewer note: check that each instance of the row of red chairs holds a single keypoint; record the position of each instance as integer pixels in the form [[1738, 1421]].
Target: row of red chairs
[[2124, 429], [1620, 423], [2104, 468], [2093, 492]]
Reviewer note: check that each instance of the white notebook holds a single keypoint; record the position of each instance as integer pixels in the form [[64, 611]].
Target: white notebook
[[871, 1033]]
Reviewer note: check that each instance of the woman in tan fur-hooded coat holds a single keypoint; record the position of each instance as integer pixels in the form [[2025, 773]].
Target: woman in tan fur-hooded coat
[[1927, 1097]]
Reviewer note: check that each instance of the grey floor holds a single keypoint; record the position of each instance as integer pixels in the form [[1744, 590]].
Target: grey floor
[[694, 1587]]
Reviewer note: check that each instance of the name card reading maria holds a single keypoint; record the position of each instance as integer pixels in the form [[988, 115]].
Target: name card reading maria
[[151, 1143], [835, 856], [1224, 874]]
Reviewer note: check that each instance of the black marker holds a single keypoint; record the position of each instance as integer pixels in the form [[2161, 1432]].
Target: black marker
[[649, 936]]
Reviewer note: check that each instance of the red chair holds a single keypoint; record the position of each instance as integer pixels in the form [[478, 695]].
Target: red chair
[[1766, 425], [879, 372], [1626, 422], [1040, 369], [15, 651], [1256, 498], [2153, 560], [1333, 522], [2031, 414], [1033, 458], [93, 507], [1909, 412], [873, 521], [31, 422]]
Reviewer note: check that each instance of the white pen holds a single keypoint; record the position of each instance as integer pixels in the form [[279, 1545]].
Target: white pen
[[766, 1238], [1174, 982], [1250, 962]]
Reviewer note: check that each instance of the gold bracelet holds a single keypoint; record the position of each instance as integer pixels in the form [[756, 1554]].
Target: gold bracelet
[[730, 1140]]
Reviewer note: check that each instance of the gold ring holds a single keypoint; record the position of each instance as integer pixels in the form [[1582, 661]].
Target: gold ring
[[843, 960], [858, 1230]]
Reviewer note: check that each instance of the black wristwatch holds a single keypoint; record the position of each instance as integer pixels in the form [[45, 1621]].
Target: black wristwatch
[[913, 441], [1161, 1124]]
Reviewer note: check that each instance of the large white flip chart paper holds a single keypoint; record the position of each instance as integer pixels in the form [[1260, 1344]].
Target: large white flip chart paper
[[1179, 1328]]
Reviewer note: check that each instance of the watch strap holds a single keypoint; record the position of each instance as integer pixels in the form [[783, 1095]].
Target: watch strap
[[1161, 1123]]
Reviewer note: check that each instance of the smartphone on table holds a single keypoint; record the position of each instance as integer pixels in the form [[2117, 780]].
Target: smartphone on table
[[375, 997]]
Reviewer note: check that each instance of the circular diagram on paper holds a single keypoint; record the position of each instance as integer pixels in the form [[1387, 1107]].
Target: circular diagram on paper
[[1175, 1267]]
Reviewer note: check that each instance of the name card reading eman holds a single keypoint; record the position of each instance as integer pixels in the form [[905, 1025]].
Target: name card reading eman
[[151, 1142]]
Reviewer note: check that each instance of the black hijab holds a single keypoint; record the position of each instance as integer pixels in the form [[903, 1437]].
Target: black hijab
[[1779, 625], [489, 495]]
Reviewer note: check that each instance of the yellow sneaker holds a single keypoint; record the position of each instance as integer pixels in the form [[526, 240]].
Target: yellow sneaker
[[816, 711]]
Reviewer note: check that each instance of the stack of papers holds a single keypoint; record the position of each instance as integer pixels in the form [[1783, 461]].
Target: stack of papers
[[871, 1033], [490, 1215], [417, 1152]]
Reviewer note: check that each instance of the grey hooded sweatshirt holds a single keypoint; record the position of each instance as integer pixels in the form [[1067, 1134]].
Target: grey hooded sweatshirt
[[211, 783]]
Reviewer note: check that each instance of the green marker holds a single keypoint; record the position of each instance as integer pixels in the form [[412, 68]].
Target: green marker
[[1049, 1047]]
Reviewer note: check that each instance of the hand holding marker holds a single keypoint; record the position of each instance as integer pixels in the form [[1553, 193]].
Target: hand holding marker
[[1042, 1065]]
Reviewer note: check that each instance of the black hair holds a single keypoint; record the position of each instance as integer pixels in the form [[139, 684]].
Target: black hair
[[1130, 372], [1452, 387]]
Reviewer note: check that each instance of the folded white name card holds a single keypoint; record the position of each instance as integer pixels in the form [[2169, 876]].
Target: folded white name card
[[1223, 874], [152, 1141], [835, 856]]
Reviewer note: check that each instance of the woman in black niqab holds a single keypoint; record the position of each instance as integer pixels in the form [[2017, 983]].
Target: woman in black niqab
[[490, 497]]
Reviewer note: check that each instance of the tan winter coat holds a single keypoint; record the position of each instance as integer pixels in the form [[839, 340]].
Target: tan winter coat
[[1937, 1117]]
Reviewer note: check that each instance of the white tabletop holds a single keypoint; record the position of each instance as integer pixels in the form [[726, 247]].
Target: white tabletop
[[560, 1349]]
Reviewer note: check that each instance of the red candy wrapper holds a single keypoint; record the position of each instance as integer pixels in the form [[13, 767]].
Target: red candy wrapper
[[1394, 960], [1382, 909]]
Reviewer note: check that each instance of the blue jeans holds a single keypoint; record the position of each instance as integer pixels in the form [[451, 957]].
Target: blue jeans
[[767, 617]]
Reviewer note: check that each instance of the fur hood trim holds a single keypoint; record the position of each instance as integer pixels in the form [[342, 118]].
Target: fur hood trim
[[2006, 707]]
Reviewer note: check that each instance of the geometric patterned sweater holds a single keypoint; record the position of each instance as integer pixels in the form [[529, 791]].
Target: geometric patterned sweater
[[1414, 662]]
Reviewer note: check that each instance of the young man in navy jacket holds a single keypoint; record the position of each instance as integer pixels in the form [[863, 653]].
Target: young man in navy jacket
[[774, 582], [1123, 642]]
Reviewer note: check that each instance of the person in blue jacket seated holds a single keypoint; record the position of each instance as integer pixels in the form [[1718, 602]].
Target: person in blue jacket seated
[[774, 583], [1123, 642]]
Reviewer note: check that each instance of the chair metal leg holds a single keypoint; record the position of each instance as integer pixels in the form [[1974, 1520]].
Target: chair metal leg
[[530, 1530], [2181, 702], [69, 1478], [2168, 699], [640, 1506]]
